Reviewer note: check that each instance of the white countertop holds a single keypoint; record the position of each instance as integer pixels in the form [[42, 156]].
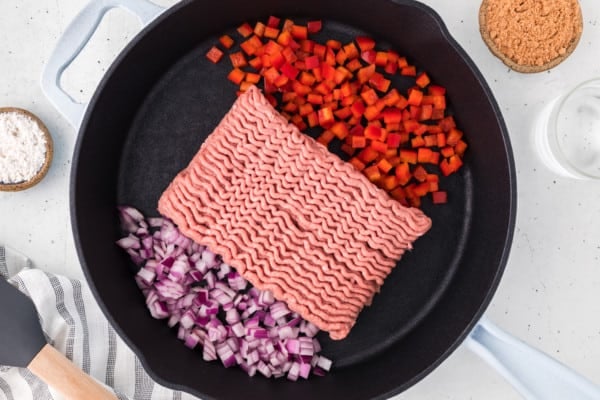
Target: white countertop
[[550, 293]]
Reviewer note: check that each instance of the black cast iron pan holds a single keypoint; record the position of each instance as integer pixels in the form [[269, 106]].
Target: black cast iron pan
[[160, 100]]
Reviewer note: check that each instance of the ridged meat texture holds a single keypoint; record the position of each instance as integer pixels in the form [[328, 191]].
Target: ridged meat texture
[[290, 216]]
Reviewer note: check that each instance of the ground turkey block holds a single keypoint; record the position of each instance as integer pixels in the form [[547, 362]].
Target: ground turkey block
[[290, 216]]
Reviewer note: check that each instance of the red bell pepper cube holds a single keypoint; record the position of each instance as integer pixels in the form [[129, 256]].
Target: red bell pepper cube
[[236, 76], [326, 117], [368, 56], [422, 80], [245, 29], [351, 51], [214, 54], [259, 29], [359, 165], [365, 43], [299, 32], [226, 41], [372, 173], [439, 197], [238, 60], [273, 21], [314, 26]]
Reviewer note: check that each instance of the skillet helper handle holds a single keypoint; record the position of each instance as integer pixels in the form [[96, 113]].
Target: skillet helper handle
[[534, 374], [74, 39], [61, 374]]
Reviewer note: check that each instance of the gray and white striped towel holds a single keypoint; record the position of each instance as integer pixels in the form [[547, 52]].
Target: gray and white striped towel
[[74, 324]]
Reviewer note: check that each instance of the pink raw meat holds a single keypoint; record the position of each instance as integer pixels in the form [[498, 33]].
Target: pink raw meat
[[290, 216]]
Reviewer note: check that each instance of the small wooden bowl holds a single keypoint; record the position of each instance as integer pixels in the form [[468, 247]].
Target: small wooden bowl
[[15, 187]]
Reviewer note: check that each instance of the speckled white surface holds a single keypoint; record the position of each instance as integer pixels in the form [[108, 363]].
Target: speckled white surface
[[550, 292]]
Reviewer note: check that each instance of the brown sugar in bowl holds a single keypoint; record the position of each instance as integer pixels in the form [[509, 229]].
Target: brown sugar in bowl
[[18, 186], [531, 35]]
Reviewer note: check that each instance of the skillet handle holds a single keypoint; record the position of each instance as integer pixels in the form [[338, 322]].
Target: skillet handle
[[74, 39], [534, 374]]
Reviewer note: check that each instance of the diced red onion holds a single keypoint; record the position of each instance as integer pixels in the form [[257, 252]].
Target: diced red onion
[[193, 289]]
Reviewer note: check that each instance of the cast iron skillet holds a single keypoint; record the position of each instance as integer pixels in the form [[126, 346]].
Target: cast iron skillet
[[160, 100]]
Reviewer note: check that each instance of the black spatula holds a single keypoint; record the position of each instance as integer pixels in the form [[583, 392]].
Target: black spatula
[[22, 344]]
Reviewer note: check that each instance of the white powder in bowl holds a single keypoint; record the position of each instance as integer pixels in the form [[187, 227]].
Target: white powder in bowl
[[22, 147]]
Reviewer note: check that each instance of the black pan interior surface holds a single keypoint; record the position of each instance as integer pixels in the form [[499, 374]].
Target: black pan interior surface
[[162, 98]]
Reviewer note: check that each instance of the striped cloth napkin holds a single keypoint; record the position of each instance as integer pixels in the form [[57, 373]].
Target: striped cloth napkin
[[74, 324]]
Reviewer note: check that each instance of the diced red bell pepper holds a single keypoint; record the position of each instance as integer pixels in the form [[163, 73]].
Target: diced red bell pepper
[[326, 137], [365, 73], [392, 115], [399, 195], [369, 96], [358, 142], [259, 29], [354, 65], [284, 38], [312, 62], [252, 77], [365, 43], [312, 119], [439, 197], [372, 132], [408, 71], [447, 123], [367, 155], [358, 108], [351, 51], [299, 32], [420, 173], [424, 155], [359, 165], [436, 90], [346, 148], [271, 32], [314, 26], [421, 189], [236, 76], [408, 156], [422, 80], [426, 112], [389, 183], [238, 60], [381, 58], [245, 29], [326, 117], [460, 147], [289, 70], [393, 140], [320, 50], [226, 41], [314, 98], [273, 21], [214, 54], [402, 173], [414, 97], [380, 147], [437, 114], [340, 130], [343, 113], [372, 173], [379, 82], [454, 135], [430, 140], [333, 44], [384, 166], [368, 56], [391, 67]]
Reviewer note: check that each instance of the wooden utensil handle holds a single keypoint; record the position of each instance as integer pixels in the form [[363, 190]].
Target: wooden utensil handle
[[64, 376]]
